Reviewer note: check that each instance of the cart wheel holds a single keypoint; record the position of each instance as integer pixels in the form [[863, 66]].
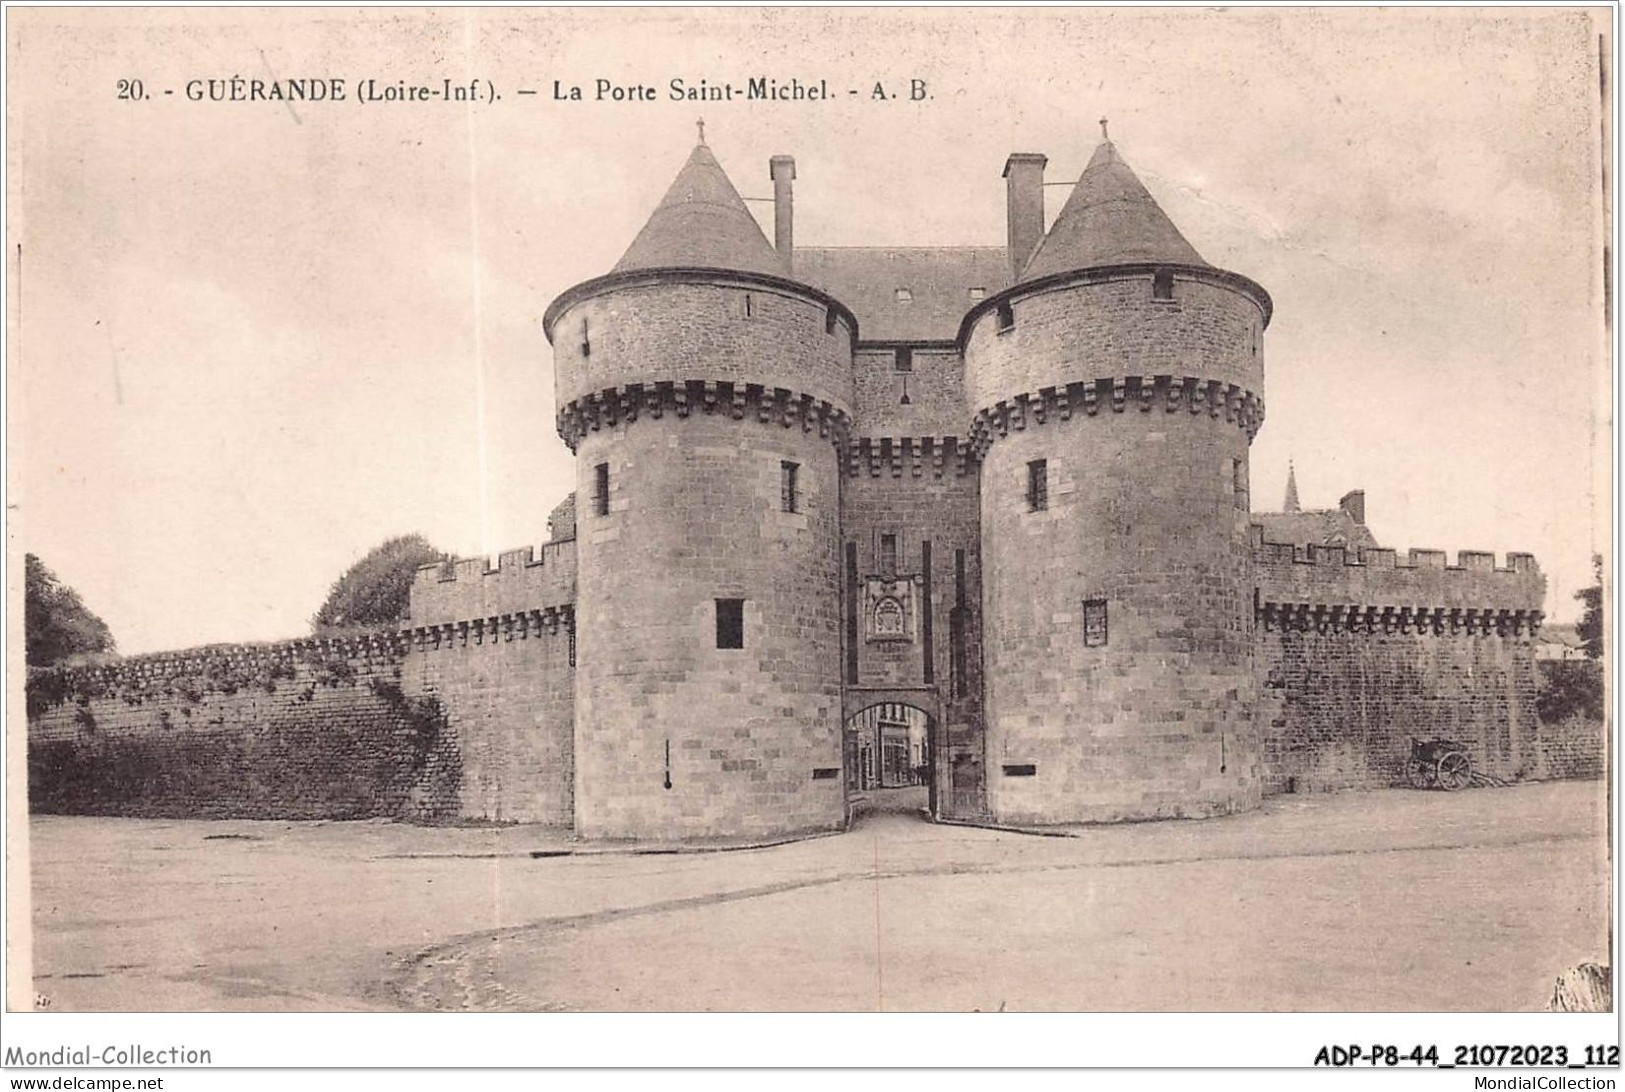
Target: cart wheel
[[1418, 773], [1455, 771]]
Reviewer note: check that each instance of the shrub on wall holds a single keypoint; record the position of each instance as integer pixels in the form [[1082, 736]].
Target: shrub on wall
[[375, 590], [1570, 688]]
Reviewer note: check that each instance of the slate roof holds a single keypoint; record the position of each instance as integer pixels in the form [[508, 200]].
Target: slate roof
[[1323, 527], [701, 222], [937, 279], [1110, 219]]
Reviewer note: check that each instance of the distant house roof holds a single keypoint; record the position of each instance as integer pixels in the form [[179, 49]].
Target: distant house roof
[[1110, 219], [935, 284], [1564, 634], [1322, 527], [701, 223]]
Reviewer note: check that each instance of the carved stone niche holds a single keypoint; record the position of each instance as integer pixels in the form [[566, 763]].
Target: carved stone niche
[[889, 609]]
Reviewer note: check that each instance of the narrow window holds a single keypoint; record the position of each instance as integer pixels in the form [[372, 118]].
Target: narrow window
[[904, 295], [829, 320], [1007, 317], [600, 489], [1238, 479], [978, 293], [586, 341], [789, 501], [1094, 623], [1162, 285], [749, 308], [730, 623], [1037, 485], [905, 358], [888, 555], [1024, 769]]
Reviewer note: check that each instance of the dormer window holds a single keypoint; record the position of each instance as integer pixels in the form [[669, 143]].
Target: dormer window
[[905, 295], [1162, 284]]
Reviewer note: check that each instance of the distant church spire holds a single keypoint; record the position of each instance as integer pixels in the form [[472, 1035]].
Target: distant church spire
[[1291, 489]]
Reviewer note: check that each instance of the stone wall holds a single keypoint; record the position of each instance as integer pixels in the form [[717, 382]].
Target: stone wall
[[297, 730], [470, 589], [1356, 658], [1573, 745], [1112, 328], [1152, 714], [495, 646], [465, 714], [936, 393], [714, 329], [508, 692], [677, 737]]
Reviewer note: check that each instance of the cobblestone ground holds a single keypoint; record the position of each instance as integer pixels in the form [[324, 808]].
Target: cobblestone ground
[[1365, 901]]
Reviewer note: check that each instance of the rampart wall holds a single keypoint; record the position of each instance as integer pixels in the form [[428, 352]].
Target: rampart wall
[[1356, 656], [297, 730], [495, 646], [465, 714]]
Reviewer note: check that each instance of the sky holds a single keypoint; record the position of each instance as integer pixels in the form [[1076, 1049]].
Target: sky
[[248, 341]]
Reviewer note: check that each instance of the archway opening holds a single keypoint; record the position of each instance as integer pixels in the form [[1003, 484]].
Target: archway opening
[[890, 759]]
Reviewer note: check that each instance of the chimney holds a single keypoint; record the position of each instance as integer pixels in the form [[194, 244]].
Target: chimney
[[783, 170], [1353, 503], [1024, 206]]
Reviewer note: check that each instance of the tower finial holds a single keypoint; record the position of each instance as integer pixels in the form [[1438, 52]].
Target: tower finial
[[701, 124], [1291, 504], [1103, 134]]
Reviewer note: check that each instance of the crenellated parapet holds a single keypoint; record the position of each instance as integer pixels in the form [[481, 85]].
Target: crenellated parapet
[[444, 592], [909, 456], [767, 405], [1333, 589], [497, 629], [1165, 393], [188, 675], [1439, 621]]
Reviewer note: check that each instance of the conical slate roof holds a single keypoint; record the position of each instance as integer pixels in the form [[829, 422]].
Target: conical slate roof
[[701, 222], [1110, 219]]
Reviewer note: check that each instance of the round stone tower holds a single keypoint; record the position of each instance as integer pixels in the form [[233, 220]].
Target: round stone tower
[[1116, 387], [704, 392]]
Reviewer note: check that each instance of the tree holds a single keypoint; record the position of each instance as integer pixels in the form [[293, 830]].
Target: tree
[[1590, 624], [56, 623], [375, 590]]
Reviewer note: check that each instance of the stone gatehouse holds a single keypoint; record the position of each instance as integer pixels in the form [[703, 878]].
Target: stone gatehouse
[[998, 492]]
